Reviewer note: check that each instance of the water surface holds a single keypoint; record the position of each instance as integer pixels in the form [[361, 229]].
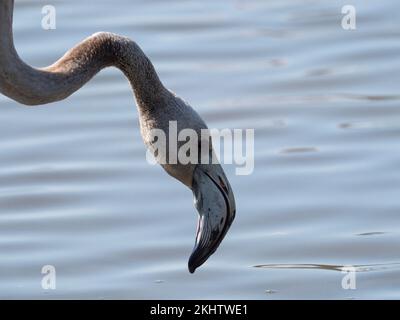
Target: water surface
[[76, 191]]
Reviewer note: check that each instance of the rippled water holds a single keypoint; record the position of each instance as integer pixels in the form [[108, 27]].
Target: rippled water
[[76, 191]]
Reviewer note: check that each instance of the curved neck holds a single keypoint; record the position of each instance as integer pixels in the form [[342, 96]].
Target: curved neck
[[32, 86]]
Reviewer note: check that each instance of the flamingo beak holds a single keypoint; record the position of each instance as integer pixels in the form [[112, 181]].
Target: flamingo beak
[[215, 203]]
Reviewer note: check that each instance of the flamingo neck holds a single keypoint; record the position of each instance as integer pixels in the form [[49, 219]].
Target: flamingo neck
[[34, 86]]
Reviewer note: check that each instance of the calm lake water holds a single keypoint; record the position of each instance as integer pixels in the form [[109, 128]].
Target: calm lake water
[[77, 193]]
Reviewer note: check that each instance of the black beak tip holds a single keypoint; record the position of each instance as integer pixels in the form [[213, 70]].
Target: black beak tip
[[192, 269], [192, 264]]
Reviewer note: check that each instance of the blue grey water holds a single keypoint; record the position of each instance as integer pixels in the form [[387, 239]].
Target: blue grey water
[[77, 193]]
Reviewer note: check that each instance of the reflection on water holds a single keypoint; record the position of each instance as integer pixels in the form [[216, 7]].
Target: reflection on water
[[371, 233], [299, 150], [357, 268], [76, 191]]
